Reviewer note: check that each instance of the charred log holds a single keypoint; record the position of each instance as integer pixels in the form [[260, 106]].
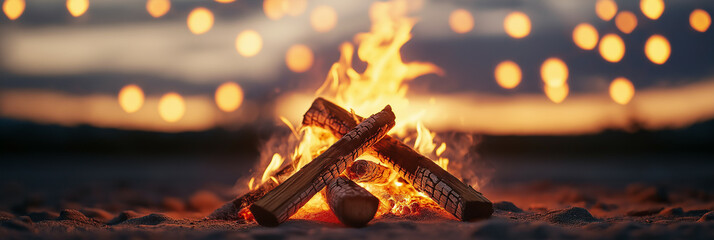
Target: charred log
[[366, 171], [353, 205]]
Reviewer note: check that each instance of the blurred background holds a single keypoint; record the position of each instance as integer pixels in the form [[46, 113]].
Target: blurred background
[[187, 92]]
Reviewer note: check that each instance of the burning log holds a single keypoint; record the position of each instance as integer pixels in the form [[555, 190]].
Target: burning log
[[366, 171], [422, 173], [283, 201], [353, 205]]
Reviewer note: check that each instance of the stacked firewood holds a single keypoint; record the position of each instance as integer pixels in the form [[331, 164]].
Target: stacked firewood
[[335, 170]]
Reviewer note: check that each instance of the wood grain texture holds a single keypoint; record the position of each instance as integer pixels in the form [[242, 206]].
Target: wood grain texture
[[353, 205], [371, 172]]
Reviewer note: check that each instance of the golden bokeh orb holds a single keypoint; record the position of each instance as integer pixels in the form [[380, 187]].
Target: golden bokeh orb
[[700, 20], [200, 20], [605, 9], [294, 7], [229, 96], [171, 107], [657, 49], [652, 9], [13, 9], [273, 9], [622, 90], [612, 48], [517, 24], [554, 72], [323, 18], [461, 21], [508, 74], [299, 58], [585, 36], [557, 94], [77, 7], [626, 21], [249, 43], [131, 98], [225, 1], [158, 8]]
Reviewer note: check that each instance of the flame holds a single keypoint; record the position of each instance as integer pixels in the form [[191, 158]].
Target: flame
[[272, 167]]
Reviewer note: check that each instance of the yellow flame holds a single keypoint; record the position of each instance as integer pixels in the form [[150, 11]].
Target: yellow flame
[[229, 96], [171, 107], [557, 94], [657, 49], [274, 165], [508, 74], [323, 18], [554, 72], [652, 9], [585, 36], [605, 9], [517, 24], [131, 98], [626, 21], [158, 8], [461, 21], [621, 90], [299, 58], [13, 8], [249, 43], [250, 183], [424, 143], [200, 20], [441, 149], [700, 20], [612, 48], [77, 7]]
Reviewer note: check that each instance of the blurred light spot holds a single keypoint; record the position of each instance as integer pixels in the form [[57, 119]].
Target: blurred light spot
[[461, 21], [585, 36], [299, 58], [225, 1], [200, 20], [294, 7], [517, 24], [249, 43], [605, 9], [323, 18], [158, 8], [652, 8], [273, 9], [621, 90], [554, 72], [626, 21], [171, 107], [131, 98], [700, 20], [508, 74], [13, 8], [229, 96], [612, 48], [556, 94], [77, 7], [657, 49]]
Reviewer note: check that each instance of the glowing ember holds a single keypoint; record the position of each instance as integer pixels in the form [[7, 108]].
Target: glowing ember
[[605, 9], [657, 49], [585, 36], [700, 20], [13, 8]]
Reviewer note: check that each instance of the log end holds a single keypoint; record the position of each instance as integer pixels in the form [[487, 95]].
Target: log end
[[361, 210], [264, 217], [477, 210]]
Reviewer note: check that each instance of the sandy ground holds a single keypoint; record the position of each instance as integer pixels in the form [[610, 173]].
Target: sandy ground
[[54, 202]]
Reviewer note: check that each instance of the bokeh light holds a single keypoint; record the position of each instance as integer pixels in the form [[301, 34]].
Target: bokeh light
[[229, 96], [508, 74], [158, 8], [517, 24], [554, 72], [461, 21], [131, 98], [605, 9], [556, 94], [585, 36], [622, 90], [77, 7], [323, 18], [294, 7], [225, 1], [171, 107], [657, 49], [299, 58], [612, 48], [652, 9], [13, 9], [249, 43], [626, 21], [700, 20], [200, 20], [273, 9]]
